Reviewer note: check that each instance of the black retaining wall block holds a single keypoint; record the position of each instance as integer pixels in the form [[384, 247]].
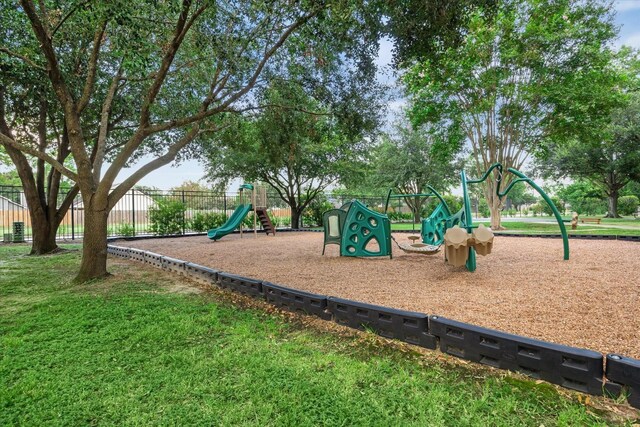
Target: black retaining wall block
[[173, 264], [201, 272], [626, 372], [241, 284], [569, 367], [403, 325], [631, 238], [297, 301], [136, 255], [153, 259]]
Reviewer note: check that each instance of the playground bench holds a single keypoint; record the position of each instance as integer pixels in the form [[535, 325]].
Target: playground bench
[[594, 220]]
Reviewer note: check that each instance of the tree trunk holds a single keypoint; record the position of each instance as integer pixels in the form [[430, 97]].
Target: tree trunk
[[94, 247], [417, 216], [496, 218], [613, 205], [295, 218], [495, 204], [44, 235]]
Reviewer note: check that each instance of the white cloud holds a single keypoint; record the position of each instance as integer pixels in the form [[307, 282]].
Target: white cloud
[[633, 41], [625, 5]]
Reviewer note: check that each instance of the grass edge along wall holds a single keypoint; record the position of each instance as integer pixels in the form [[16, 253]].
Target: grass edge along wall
[[570, 367]]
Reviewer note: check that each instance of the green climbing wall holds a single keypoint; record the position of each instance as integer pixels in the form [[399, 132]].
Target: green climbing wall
[[433, 227], [363, 229]]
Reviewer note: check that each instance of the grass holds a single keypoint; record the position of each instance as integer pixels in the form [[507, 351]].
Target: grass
[[618, 227], [130, 350]]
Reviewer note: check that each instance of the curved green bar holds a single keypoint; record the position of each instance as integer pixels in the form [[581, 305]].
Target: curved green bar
[[523, 178], [467, 222], [232, 223]]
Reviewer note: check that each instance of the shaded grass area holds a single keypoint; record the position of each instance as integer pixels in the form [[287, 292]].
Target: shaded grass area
[[131, 350]]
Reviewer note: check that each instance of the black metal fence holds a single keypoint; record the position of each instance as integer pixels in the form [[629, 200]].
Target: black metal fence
[[133, 215]]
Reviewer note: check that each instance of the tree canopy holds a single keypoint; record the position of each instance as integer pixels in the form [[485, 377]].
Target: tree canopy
[[295, 145], [523, 73], [169, 69], [409, 159]]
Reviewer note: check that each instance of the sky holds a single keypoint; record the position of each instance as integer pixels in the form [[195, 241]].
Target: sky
[[627, 18]]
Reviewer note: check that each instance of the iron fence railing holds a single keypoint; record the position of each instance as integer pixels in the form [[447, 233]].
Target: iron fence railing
[[132, 215]]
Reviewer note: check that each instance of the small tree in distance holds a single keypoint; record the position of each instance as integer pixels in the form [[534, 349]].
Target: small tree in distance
[[295, 146]]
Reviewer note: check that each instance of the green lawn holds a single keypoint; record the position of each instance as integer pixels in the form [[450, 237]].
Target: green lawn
[[131, 350], [618, 227]]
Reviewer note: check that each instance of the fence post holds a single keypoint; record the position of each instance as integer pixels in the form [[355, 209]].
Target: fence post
[[73, 221], [133, 210], [224, 203], [184, 213]]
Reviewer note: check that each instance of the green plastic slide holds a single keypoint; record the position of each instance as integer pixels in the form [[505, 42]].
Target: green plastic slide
[[232, 223]]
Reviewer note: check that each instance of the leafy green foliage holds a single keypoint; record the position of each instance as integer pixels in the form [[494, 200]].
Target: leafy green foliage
[[312, 216], [628, 205], [611, 162], [408, 160], [129, 351], [520, 194], [295, 152], [546, 209], [167, 217], [125, 230], [584, 198], [523, 73], [206, 221], [423, 30]]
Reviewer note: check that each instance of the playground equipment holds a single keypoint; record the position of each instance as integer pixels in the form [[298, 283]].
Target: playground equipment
[[354, 226], [358, 230], [258, 204], [462, 239]]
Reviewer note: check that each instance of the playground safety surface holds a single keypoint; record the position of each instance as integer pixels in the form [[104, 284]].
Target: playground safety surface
[[523, 287]]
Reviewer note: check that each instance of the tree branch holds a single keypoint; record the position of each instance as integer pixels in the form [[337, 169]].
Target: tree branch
[[24, 58], [5, 140], [158, 162], [101, 140], [93, 65]]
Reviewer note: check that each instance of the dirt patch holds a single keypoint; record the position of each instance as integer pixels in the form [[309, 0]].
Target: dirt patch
[[523, 287]]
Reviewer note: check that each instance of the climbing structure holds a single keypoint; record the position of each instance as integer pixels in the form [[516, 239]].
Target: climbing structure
[[358, 230]]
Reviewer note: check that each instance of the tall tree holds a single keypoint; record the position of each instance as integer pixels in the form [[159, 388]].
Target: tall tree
[[296, 146], [180, 65], [609, 163], [26, 116], [524, 72], [409, 159]]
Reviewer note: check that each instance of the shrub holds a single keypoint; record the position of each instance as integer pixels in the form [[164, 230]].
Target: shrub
[[281, 221], [125, 230], [546, 209], [538, 209], [454, 202], [628, 205], [206, 221], [312, 215], [247, 222], [167, 217]]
